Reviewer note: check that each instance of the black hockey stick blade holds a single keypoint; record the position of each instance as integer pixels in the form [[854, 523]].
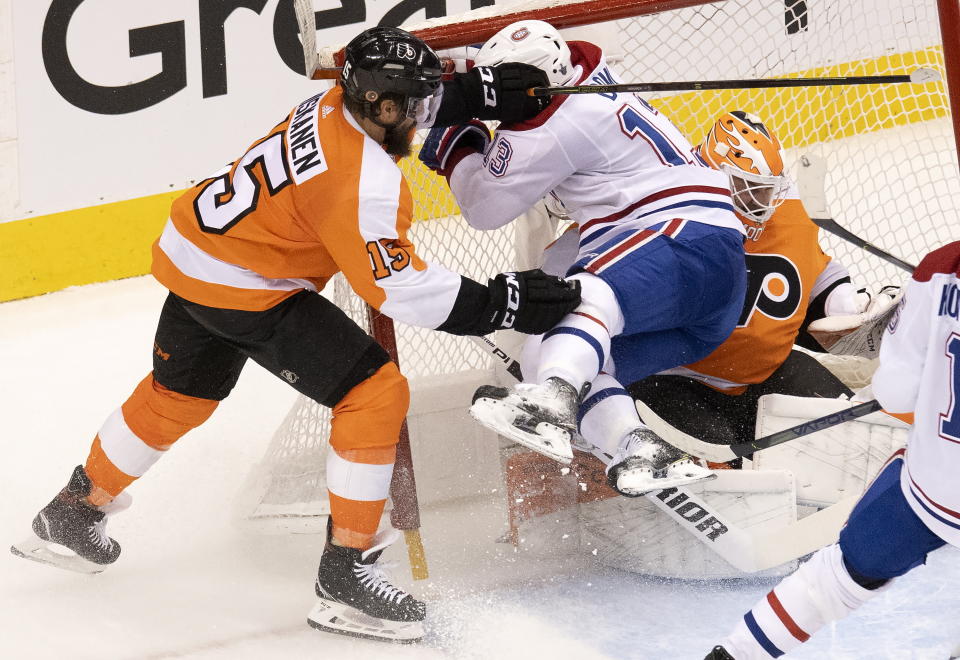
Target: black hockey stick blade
[[923, 75], [812, 426]]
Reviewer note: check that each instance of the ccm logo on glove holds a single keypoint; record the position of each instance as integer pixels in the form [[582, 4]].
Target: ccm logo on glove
[[513, 300], [489, 91]]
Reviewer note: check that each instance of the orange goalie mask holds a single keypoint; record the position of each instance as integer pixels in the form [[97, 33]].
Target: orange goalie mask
[[749, 153]]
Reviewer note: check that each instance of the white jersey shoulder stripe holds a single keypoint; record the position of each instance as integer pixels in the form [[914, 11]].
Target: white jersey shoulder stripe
[[379, 201], [194, 262]]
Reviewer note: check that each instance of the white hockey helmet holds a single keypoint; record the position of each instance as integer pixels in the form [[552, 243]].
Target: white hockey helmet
[[532, 42]]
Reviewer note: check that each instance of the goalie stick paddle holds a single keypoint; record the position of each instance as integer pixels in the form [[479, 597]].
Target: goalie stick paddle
[[806, 428], [922, 75], [745, 550], [810, 182]]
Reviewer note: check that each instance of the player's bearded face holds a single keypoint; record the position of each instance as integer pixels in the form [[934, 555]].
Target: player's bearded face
[[398, 127]]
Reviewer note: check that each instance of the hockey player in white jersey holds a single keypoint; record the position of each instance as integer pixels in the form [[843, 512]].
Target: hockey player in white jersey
[[660, 258], [913, 506]]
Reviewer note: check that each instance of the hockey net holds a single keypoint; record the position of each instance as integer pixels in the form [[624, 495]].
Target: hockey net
[[890, 150]]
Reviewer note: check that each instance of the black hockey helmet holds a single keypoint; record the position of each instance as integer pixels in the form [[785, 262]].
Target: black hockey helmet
[[389, 61]]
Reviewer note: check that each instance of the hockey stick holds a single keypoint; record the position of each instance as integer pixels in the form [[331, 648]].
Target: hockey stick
[[707, 450], [405, 514], [746, 551], [307, 22], [511, 365], [723, 453], [922, 75], [810, 181]]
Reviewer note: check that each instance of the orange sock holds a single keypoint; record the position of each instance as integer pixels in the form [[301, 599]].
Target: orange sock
[[364, 435], [135, 436]]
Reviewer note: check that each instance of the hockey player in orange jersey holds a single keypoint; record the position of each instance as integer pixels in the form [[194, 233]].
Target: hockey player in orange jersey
[[244, 254], [790, 283]]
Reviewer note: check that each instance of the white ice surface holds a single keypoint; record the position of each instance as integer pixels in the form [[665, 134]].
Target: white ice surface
[[191, 585]]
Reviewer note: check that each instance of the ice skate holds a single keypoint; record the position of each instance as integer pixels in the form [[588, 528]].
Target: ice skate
[[542, 417], [356, 598], [718, 653], [70, 523], [644, 462]]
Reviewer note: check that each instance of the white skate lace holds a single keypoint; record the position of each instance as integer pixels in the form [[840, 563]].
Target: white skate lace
[[376, 578], [97, 533]]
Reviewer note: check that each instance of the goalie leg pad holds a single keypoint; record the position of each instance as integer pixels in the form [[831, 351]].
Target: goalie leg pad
[[833, 463]]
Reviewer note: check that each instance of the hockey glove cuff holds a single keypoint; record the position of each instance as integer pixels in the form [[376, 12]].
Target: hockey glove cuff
[[445, 147], [530, 301]]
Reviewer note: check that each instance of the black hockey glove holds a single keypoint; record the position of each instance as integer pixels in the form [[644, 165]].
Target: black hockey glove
[[530, 301], [493, 93]]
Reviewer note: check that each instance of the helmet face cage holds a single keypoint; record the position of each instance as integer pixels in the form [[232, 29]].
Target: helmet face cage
[[749, 153], [390, 63], [755, 196], [531, 42]]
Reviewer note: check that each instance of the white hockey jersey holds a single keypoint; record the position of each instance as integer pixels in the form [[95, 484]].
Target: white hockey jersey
[[920, 373], [612, 160]]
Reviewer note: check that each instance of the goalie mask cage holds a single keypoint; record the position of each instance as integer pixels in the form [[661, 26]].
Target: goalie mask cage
[[892, 178]]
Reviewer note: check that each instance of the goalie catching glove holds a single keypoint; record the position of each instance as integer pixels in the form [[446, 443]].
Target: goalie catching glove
[[445, 147], [858, 334]]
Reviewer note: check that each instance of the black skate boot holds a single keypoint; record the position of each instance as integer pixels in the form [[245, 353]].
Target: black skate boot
[[542, 417], [644, 462], [70, 521], [356, 597], [719, 653]]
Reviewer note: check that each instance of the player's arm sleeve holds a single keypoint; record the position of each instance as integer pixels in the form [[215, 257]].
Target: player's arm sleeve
[[518, 169], [382, 266], [903, 349], [832, 282]]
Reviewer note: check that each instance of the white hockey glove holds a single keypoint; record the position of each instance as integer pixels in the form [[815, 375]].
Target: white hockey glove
[[858, 334]]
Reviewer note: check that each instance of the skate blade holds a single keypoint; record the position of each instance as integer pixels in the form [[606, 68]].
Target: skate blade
[[334, 617], [38, 550], [651, 485], [548, 439]]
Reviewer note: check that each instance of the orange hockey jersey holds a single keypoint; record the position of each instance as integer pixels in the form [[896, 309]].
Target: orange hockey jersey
[[315, 196], [786, 269]]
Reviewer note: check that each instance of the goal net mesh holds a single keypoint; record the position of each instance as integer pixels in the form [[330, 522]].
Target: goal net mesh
[[891, 175]]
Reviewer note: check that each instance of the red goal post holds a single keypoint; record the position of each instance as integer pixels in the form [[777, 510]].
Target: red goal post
[[893, 179]]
